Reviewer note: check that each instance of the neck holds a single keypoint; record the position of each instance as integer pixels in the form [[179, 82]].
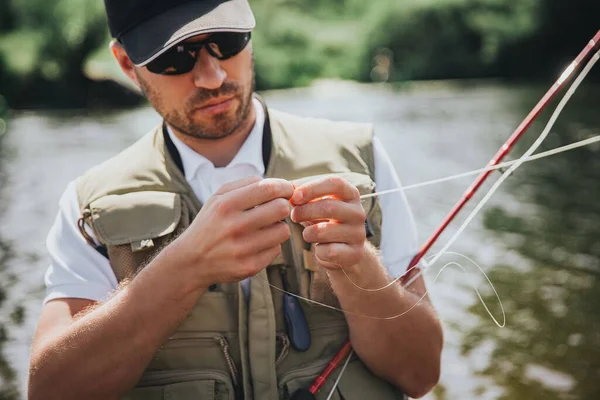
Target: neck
[[221, 151]]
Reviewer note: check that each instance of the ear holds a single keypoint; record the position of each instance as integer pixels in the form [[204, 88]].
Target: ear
[[124, 61]]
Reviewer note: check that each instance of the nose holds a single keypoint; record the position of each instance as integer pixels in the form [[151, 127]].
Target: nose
[[207, 72]]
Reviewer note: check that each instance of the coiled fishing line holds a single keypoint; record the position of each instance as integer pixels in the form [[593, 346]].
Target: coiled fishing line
[[527, 156]]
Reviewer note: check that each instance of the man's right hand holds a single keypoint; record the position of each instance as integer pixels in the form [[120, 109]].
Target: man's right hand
[[238, 232]]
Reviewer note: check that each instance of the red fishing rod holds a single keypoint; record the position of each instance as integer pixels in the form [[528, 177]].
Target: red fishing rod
[[309, 394]]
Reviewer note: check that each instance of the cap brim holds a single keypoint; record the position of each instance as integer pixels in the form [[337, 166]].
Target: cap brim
[[153, 37]]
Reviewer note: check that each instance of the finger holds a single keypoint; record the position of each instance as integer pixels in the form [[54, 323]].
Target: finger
[[329, 209], [252, 265], [262, 239], [329, 232], [240, 183], [338, 254], [261, 192], [313, 222], [263, 215], [330, 186], [264, 258]]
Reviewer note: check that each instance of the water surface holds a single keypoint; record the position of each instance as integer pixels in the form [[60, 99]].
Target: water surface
[[538, 239]]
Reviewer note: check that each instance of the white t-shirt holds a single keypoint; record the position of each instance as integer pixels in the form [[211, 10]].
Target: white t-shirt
[[78, 271]]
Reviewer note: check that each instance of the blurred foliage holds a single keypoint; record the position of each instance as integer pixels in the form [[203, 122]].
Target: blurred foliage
[[3, 116], [8, 381], [43, 47], [550, 347], [45, 44], [8, 386], [297, 41]]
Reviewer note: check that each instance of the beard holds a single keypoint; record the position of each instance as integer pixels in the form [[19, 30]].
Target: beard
[[218, 126]]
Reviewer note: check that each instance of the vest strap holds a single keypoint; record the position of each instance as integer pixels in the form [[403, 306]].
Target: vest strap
[[262, 339]]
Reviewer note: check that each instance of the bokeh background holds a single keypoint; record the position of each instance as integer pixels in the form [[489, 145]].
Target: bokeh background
[[444, 81]]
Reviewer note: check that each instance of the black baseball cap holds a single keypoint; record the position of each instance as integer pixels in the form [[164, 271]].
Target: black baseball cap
[[148, 28]]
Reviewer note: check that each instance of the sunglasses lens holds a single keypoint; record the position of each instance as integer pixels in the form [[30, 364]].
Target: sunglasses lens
[[176, 61], [181, 58], [225, 45]]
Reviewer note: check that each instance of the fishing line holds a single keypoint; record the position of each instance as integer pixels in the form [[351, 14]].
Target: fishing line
[[339, 377], [452, 263], [500, 325], [502, 152], [558, 150], [520, 161], [527, 156], [515, 164]]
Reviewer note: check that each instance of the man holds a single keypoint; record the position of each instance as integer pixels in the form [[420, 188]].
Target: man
[[163, 257]]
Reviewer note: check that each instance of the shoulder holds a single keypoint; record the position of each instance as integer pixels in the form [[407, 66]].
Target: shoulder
[[321, 127], [143, 161], [68, 208], [309, 143], [76, 269]]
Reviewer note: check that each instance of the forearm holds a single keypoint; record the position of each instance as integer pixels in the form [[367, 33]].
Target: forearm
[[104, 352], [404, 350]]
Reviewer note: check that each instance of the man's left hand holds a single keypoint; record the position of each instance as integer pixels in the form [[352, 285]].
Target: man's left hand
[[334, 219]]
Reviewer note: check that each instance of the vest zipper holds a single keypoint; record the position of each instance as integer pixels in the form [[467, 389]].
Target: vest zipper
[[223, 344], [228, 359], [239, 392], [285, 348]]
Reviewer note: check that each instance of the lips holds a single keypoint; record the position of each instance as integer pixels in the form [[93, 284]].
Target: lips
[[215, 102], [216, 106]]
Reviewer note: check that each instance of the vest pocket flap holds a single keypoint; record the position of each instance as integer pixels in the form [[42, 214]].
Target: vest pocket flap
[[135, 217], [363, 183], [191, 390], [183, 385]]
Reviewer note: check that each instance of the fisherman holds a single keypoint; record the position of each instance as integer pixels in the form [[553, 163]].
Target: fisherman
[[168, 260]]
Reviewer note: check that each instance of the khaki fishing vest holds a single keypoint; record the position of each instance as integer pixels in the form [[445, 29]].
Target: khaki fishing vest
[[227, 349]]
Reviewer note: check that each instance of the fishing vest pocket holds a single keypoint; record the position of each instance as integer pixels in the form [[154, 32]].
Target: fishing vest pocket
[[357, 383], [303, 378], [313, 281], [200, 351], [183, 385], [134, 226]]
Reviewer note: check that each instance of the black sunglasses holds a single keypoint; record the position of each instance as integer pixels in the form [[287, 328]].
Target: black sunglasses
[[181, 58]]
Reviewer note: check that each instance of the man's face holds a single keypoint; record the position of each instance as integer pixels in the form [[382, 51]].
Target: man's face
[[209, 102]]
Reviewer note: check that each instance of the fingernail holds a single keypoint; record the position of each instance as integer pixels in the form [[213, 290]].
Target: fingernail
[[297, 197], [293, 215]]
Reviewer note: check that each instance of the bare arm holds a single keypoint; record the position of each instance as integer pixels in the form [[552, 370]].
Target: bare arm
[[102, 354], [406, 350]]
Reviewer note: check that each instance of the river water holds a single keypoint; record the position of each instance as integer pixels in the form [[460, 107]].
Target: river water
[[538, 238]]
